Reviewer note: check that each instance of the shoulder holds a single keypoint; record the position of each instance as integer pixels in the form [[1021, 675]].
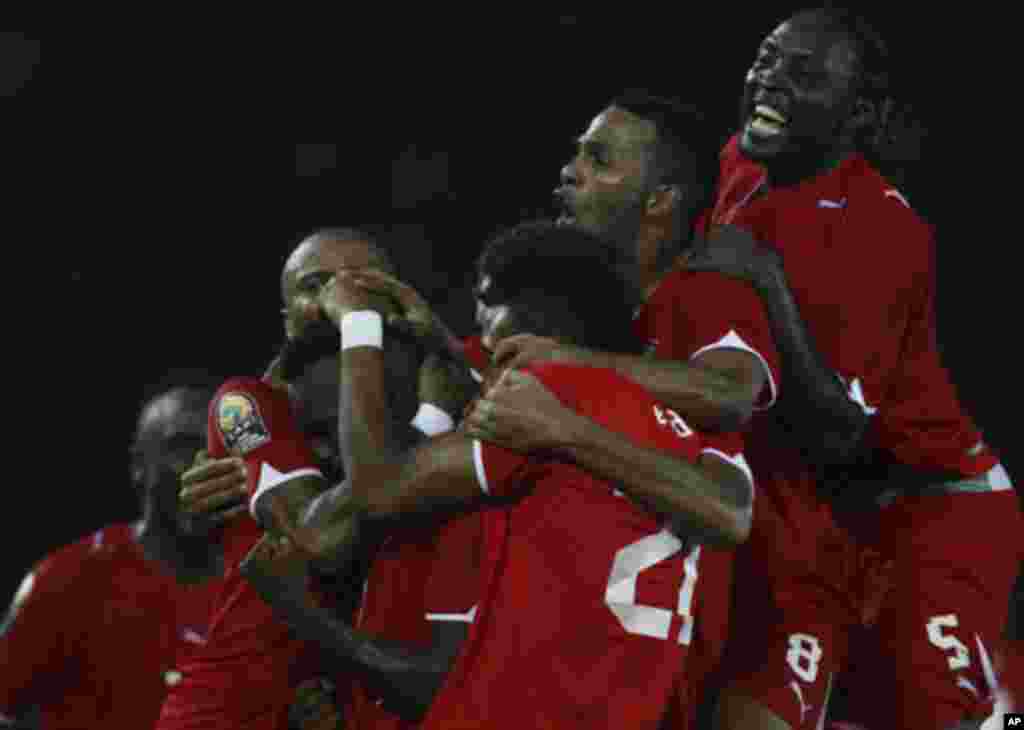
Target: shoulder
[[588, 389], [89, 559], [872, 194], [243, 407]]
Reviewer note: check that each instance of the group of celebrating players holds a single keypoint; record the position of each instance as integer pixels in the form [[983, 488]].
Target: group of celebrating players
[[691, 472]]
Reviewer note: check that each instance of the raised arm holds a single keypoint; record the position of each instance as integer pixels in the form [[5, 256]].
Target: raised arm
[[407, 678], [386, 476], [716, 390], [816, 405], [711, 498]]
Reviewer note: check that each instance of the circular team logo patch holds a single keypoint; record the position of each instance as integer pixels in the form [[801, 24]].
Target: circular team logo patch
[[240, 423]]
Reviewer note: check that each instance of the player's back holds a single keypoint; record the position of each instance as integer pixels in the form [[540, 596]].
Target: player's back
[[585, 613], [97, 635]]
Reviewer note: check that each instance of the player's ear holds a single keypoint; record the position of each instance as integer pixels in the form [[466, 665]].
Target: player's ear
[[136, 469], [663, 200], [864, 114]]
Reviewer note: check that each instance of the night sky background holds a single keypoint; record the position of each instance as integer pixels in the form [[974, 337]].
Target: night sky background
[[154, 192]]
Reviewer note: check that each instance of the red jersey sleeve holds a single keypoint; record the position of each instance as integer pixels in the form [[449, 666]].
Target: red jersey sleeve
[[453, 588], [691, 313], [254, 420], [477, 356], [39, 636]]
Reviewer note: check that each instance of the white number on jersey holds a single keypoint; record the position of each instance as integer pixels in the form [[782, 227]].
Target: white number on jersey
[[804, 655], [620, 595], [948, 642], [668, 417]]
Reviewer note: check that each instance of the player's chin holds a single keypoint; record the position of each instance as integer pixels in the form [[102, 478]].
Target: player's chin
[[762, 147]]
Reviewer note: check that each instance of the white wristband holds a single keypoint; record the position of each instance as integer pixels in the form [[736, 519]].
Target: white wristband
[[362, 329], [432, 421]]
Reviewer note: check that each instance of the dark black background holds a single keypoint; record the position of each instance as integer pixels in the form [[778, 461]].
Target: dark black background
[[156, 195]]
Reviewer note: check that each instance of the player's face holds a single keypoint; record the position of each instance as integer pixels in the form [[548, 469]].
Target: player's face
[[603, 185], [171, 430], [311, 266], [799, 96]]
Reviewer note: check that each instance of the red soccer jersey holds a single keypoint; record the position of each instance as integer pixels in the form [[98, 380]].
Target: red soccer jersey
[[585, 615], [246, 673], [686, 315], [860, 264], [96, 635], [692, 312], [425, 574]]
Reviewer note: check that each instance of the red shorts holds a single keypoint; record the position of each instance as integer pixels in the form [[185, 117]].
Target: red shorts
[[795, 602], [928, 660]]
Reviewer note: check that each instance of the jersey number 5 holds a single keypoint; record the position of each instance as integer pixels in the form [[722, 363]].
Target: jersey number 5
[[629, 562], [961, 657]]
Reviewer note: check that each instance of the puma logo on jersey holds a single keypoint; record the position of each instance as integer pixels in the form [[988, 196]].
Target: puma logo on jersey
[[191, 636], [893, 193], [856, 392], [832, 203]]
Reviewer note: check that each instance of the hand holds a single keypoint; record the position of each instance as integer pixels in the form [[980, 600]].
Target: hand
[[520, 350], [734, 252], [415, 317], [277, 570], [520, 414], [214, 491], [314, 707], [446, 383], [341, 295]]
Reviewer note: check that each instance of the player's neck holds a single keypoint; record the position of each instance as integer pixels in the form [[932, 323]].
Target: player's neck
[[649, 260], [188, 559], [789, 174]]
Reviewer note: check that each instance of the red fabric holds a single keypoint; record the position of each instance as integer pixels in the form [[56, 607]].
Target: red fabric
[[97, 634], [570, 573]]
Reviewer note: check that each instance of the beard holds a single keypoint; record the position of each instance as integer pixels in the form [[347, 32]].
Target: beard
[[318, 340]]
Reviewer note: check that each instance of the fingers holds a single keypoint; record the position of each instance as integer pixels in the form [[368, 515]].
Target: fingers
[[384, 283], [211, 468], [511, 348], [223, 517], [213, 485], [219, 501], [202, 456]]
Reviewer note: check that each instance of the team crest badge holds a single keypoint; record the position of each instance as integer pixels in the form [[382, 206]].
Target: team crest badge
[[240, 423]]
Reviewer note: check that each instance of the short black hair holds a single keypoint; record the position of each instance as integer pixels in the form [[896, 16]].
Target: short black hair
[[875, 83], [872, 50], [563, 281], [200, 383], [687, 147]]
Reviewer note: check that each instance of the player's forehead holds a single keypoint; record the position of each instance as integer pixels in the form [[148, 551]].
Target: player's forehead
[[320, 255], [178, 412], [817, 41], [620, 129]]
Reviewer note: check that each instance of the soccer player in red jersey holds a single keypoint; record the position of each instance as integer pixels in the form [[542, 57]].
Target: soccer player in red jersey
[[257, 422], [644, 175], [99, 630], [561, 625], [868, 392]]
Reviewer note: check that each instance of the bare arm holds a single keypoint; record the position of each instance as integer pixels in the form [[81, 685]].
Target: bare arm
[[711, 498], [715, 391], [815, 404], [406, 677]]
